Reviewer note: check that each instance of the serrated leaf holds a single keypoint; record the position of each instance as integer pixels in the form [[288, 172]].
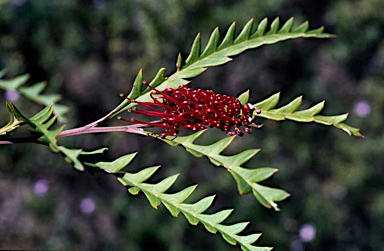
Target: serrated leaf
[[274, 27], [41, 123], [290, 111], [246, 180], [139, 177], [306, 115], [260, 29], [245, 32], [34, 93], [268, 196], [287, 26], [229, 37], [197, 61], [171, 199], [291, 107], [15, 83], [195, 51], [268, 103], [302, 28], [116, 165], [162, 186], [194, 213], [212, 43]]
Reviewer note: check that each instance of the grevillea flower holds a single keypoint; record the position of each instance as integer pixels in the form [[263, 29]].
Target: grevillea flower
[[195, 110]]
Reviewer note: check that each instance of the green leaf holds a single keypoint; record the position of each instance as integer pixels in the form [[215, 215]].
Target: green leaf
[[14, 120], [290, 111], [137, 86], [195, 51], [15, 83], [41, 123], [34, 93], [116, 165], [244, 97], [197, 62], [157, 195], [212, 43], [247, 179]]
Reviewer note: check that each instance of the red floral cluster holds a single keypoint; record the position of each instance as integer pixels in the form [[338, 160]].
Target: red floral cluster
[[195, 110]]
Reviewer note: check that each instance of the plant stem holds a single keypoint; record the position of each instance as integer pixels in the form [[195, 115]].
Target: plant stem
[[91, 128]]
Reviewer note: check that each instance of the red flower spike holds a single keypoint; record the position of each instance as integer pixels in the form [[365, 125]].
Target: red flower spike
[[195, 110]]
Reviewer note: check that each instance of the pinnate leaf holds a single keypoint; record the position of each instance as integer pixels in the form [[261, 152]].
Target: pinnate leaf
[[246, 179], [290, 112], [41, 123], [218, 52]]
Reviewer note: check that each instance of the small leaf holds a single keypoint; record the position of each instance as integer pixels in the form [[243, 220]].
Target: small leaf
[[287, 26], [274, 26], [245, 32], [268, 103], [260, 29], [290, 112], [228, 39], [15, 83], [134, 190], [330, 120], [244, 97], [195, 51], [137, 86], [136, 178], [302, 28], [212, 43], [116, 165], [159, 78]]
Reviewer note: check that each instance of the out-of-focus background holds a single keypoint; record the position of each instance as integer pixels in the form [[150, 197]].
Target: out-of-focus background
[[91, 50]]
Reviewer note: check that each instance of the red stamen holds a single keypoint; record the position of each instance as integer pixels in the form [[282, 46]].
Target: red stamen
[[195, 110]]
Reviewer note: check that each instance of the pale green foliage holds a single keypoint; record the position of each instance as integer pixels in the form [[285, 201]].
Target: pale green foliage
[[247, 179], [289, 111], [41, 122], [175, 202], [216, 52], [34, 93]]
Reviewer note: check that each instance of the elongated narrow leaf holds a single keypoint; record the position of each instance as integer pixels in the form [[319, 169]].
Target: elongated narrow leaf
[[41, 123], [175, 203], [247, 179], [290, 111], [156, 193], [216, 53], [34, 93]]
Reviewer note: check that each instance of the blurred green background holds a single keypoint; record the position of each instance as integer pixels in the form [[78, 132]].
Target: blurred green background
[[91, 50]]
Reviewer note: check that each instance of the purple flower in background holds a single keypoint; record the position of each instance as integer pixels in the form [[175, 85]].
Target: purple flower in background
[[307, 232], [87, 205], [41, 187], [362, 108], [12, 95]]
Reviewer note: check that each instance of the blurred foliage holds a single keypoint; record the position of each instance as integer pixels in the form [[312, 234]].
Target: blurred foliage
[[83, 47]]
